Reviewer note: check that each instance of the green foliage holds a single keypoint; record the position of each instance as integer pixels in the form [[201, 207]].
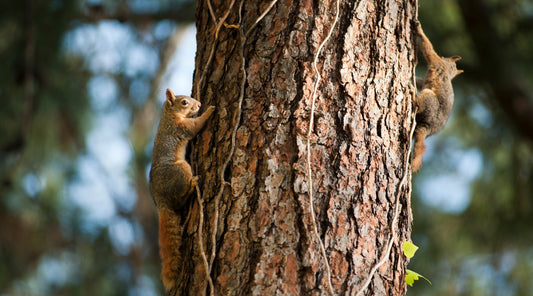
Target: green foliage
[[409, 250], [479, 249], [412, 276]]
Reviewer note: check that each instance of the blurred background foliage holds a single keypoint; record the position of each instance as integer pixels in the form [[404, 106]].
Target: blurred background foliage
[[81, 85]]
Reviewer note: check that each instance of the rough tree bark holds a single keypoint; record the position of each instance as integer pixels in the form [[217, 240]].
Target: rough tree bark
[[265, 240]]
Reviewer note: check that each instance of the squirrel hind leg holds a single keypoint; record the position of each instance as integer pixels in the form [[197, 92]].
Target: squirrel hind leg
[[173, 291], [192, 187], [419, 148]]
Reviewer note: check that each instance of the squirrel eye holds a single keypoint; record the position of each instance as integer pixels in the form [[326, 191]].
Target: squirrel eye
[[185, 102]]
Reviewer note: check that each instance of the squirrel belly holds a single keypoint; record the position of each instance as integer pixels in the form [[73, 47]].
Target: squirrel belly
[[170, 184], [171, 178], [435, 99]]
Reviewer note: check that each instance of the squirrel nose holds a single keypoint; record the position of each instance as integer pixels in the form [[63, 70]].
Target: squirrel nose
[[199, 105]]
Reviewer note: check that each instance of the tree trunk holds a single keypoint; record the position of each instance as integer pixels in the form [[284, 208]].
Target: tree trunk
[[257, 66]]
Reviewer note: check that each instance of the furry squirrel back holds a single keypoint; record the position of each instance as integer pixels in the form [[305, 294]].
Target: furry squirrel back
[[435, 100], [171, 179]]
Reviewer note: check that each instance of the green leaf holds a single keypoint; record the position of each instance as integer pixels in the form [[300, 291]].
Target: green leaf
[[412, 276], [409, 249]]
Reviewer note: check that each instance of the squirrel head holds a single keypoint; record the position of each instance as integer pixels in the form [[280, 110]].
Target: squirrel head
[[451, 67], [182, 105]]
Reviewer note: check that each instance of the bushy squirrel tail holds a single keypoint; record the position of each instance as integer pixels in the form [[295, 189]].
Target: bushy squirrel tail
[[169, 245], [419, 148]]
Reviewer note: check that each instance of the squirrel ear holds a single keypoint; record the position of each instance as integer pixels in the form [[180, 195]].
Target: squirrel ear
[[171, 98], [455, 58], [459, 72]]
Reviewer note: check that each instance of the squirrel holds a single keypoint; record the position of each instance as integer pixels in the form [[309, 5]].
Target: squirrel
[[171, 179], [435, 100]]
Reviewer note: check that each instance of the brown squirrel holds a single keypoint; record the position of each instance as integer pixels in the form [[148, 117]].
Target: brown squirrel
[[171, 179], [435, 100]]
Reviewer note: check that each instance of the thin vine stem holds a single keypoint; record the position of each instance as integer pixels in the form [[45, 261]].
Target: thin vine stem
[[308, 145]]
